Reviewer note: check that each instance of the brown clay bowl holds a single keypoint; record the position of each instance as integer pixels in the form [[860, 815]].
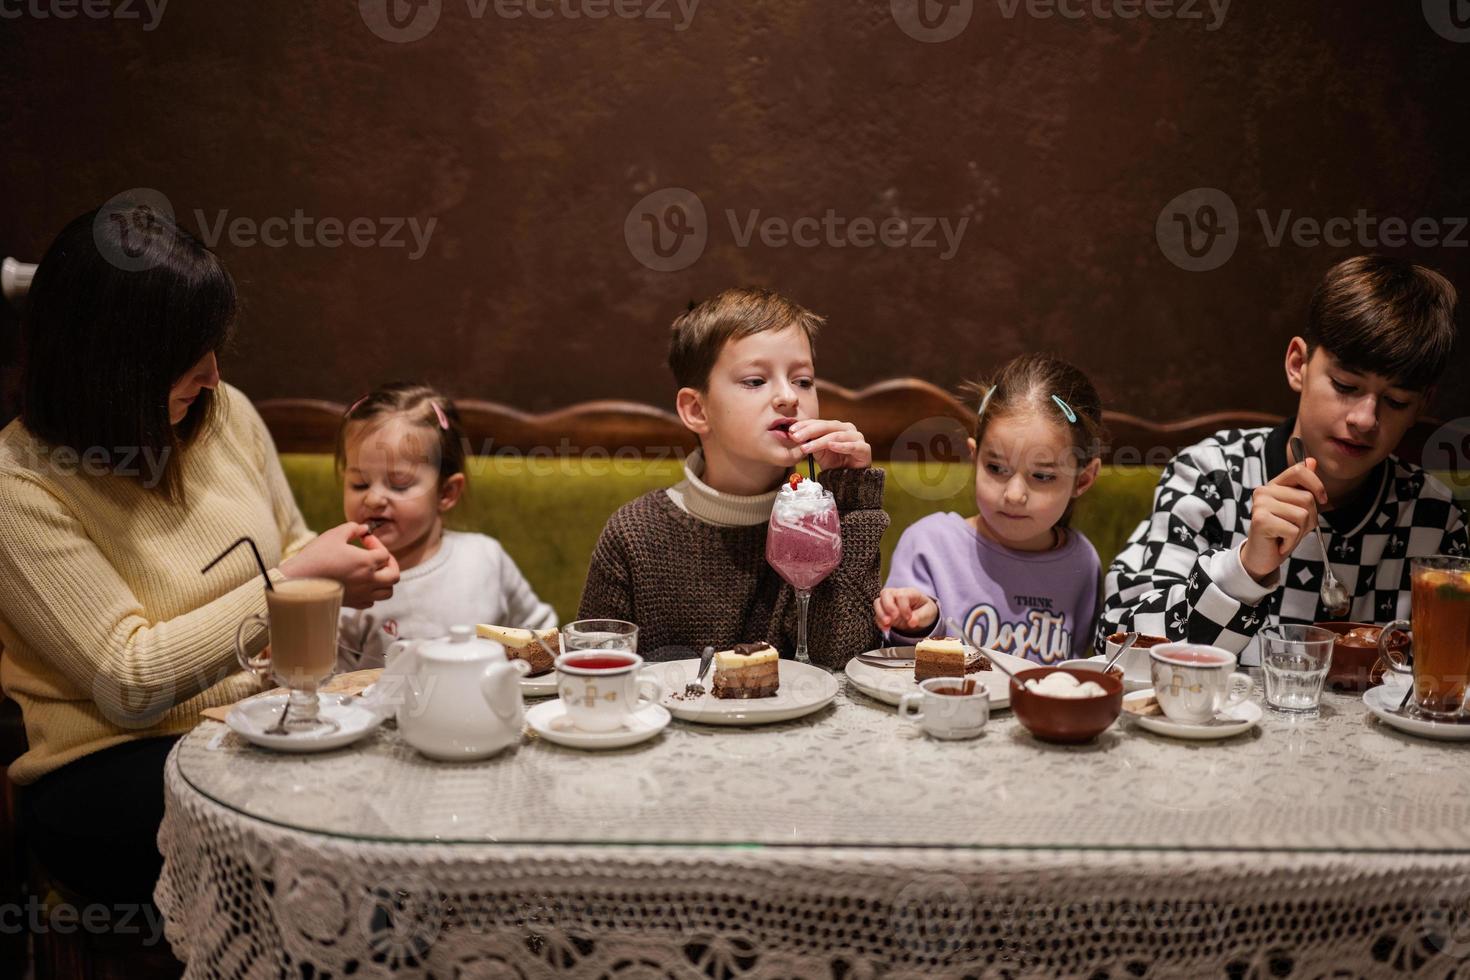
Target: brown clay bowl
[[1355, 667], [1066, 720]]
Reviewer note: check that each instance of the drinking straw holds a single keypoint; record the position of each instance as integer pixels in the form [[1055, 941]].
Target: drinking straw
[[811, 467], [254, 550]]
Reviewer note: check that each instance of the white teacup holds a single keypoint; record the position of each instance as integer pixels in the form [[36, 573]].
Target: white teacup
[[947, 715], [1194, 682], [1135, 663], [602, 688]]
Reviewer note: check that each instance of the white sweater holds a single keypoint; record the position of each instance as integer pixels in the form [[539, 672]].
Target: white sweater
[[470, 579]]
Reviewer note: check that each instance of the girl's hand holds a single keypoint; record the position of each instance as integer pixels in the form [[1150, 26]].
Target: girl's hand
[[834, 445], [367, 574], [907, 610]]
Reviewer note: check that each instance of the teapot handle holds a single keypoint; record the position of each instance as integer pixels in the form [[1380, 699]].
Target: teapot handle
[[501, 692]]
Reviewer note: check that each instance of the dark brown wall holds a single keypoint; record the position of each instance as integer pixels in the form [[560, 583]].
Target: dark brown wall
[[528, 142]]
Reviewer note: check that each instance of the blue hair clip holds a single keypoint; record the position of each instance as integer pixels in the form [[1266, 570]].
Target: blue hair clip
[[1066, 409], [985, 401]]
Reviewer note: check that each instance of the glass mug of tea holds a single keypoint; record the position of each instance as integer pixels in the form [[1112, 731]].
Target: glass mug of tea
[[301, 614], [1439, 635]]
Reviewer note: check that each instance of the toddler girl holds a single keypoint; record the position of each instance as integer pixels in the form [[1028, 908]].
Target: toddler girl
[[402, 454], [1013, 576]]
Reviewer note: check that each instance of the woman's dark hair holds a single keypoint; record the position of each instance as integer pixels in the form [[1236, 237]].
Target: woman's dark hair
[[123, 304], [420, 404]]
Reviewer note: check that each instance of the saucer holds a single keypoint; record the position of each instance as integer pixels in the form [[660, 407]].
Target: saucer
[[1384, 701], [1232, 721], [250, 719], [549, 720]]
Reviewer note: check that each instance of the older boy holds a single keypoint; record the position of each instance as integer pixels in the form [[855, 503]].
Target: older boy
[[1227, 550], [687, 564]]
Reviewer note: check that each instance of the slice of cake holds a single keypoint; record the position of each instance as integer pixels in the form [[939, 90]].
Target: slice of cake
[[946, 657], [750, 670], [520, 644]]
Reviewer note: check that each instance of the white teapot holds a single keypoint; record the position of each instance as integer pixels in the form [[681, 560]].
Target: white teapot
[[461, 697]]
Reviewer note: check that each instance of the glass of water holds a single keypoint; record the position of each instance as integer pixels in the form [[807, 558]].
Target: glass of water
[[1295, 660], [599, 634]]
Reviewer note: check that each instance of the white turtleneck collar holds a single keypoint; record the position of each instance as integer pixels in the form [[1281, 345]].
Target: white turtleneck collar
[[699, 500]]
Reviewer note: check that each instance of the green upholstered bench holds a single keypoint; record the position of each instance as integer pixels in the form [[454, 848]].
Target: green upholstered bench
[[549, 512]]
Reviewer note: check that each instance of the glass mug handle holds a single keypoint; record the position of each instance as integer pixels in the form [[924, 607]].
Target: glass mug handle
[[1387, 654], [260, 664]]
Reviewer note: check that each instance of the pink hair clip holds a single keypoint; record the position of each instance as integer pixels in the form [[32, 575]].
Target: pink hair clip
[[443, 422]]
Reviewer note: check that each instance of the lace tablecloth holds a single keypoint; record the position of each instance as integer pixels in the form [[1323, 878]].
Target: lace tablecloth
[[841, 845]]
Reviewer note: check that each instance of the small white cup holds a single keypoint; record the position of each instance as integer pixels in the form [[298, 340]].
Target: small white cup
[[1194, 682], [947, 716], [600, 697], [1135, 662]]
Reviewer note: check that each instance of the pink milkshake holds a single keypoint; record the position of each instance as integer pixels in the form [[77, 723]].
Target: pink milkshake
[[805, 548], [803, 543]]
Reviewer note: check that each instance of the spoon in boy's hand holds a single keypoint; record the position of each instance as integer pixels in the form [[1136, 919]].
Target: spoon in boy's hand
[[1334, 595]]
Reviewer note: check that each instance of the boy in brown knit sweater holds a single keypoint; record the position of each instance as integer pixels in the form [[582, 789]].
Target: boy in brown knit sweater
[[688, 563]]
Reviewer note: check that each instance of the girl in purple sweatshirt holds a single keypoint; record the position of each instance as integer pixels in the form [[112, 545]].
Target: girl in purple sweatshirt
[[1014, 576]]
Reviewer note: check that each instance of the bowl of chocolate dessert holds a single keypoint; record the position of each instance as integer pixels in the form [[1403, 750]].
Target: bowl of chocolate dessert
[[1066, 704], [1355, 665]]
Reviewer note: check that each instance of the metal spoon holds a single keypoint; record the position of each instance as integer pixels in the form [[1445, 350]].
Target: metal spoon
[[1128, 641], [949, 621], [1334, 596], [279, 728]]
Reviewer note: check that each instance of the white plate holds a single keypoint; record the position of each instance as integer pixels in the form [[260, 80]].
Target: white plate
[[1233, 720], [1384, 701], [250, 719], [889, 684], [539, 687], [549, 720], [803, 689]]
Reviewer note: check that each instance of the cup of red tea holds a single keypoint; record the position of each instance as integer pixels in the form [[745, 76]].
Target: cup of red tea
[[1194, 682], [601, 689]]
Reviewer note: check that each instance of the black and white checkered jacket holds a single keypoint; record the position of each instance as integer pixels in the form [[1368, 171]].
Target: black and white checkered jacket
[[1180, 574]]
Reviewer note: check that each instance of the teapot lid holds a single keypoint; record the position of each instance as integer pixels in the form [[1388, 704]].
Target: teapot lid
[[463, 644]]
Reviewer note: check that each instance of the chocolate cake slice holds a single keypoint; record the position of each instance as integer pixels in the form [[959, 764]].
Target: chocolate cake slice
[[946, 657], [749, 670]]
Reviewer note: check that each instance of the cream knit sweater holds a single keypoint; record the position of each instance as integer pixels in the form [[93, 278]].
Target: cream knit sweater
[[110, 632]]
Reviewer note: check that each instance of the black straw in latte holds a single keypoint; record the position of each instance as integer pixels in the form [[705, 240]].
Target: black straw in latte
[[254, 550]]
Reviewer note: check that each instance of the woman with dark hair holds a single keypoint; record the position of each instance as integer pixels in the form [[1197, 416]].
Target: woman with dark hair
[[130, 467]]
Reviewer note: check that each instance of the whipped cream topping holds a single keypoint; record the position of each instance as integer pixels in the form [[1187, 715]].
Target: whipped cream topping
[[1064, 685], [802, 500]]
